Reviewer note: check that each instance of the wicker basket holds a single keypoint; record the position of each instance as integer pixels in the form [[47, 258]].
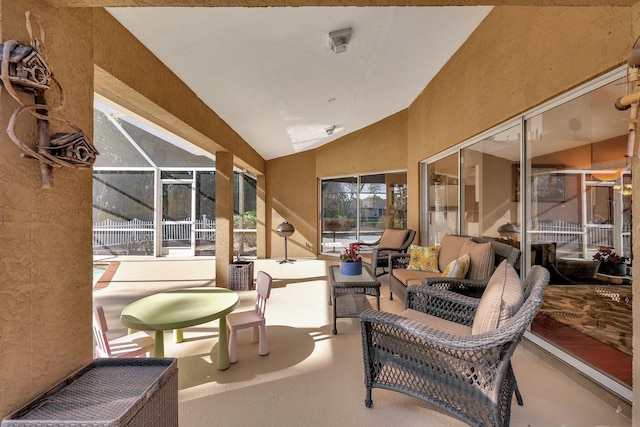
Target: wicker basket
[[108, 392], [241, 275]]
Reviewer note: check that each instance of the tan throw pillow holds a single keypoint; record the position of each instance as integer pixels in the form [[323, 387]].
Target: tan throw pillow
[[502, 298], [424, 258], [482, 259], [458, 268], [392, 238], [450, 249]]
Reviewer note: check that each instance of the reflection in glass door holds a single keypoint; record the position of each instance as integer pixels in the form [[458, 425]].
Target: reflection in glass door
[[373, 208], [339, 213], [205, 227], [443, 198], [177, 216], [576, 196]]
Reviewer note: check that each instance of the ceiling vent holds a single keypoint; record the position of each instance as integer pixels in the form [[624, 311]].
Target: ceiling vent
[[338, 40]]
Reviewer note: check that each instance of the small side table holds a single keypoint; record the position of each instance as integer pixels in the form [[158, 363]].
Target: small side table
[[349, 293]]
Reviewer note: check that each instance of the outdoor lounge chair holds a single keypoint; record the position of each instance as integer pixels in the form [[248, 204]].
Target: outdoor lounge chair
[[392, 241], [444, 353]]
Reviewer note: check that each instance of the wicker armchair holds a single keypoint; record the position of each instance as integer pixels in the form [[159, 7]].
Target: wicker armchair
[[393, 241], [469, 376], [467, 287]]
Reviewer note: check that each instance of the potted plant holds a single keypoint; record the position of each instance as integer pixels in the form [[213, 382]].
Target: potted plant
[[611, 263], [351, 261]]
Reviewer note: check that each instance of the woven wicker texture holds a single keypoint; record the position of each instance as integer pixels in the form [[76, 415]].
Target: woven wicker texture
[[241, 275], [470, 377], [379, 260], [470, 287], [345, 285], [108, 392]]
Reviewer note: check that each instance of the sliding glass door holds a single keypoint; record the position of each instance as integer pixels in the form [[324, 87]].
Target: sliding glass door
[[359, 208], [557, 184], [443, 199]]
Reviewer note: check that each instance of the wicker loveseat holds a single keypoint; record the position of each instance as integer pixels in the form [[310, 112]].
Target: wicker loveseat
[[486, 254], [443, 350]]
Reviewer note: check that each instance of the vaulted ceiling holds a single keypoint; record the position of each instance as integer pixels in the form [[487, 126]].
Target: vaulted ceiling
[[269, 72]]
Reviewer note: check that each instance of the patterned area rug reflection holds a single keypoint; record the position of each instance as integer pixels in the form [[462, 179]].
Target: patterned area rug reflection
[[601, 312]]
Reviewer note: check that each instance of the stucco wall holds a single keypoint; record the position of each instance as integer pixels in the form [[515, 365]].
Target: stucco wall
[[380, 147], [292, 196], [292, 181], [516, 59], [45, 235]]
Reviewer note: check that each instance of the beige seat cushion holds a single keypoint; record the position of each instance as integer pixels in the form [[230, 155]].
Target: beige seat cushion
[[366, 258], [502, 298], [412, 277], [392, 238], [437, 323], [450, 249], [482, 259]]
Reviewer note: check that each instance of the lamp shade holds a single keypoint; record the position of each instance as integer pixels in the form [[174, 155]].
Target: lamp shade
[[607, 174], [285, 229]]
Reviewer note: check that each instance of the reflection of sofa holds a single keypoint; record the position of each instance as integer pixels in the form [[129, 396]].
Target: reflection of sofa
[[485, 255], [563, 270]]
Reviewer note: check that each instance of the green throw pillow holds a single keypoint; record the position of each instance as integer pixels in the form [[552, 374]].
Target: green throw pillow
[[424, 258], [458, 268]]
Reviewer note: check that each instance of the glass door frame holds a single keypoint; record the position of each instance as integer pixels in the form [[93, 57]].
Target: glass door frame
[[332, 247], [169, 250], [525, 212]]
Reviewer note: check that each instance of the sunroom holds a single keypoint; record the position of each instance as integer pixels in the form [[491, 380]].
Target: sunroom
[[486, 95]]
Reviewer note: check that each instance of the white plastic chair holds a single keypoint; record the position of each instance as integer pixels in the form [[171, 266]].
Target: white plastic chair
[[132, 345], [251, 319]]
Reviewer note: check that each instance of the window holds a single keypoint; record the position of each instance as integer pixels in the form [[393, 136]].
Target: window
[[487, 165], [360, 208], [442, 182]]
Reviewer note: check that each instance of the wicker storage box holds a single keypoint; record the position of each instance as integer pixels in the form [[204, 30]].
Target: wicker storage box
[[241, 275], [108, 392]]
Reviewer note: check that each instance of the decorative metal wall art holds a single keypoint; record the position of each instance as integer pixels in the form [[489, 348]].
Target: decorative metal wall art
[[24, 69]]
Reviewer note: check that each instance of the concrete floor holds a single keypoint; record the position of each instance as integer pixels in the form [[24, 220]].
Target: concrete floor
[[312, 377]]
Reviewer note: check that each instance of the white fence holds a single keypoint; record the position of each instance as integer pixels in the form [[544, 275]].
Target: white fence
[[118, 233], [593, 235]]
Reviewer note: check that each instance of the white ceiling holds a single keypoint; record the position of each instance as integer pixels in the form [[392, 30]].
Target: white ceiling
[[268, 72]]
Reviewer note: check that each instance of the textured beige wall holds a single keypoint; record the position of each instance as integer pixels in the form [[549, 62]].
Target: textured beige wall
[[292, 195], [292, 181], [224, 217], [516, 59], [45, 235], [379, 147]]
